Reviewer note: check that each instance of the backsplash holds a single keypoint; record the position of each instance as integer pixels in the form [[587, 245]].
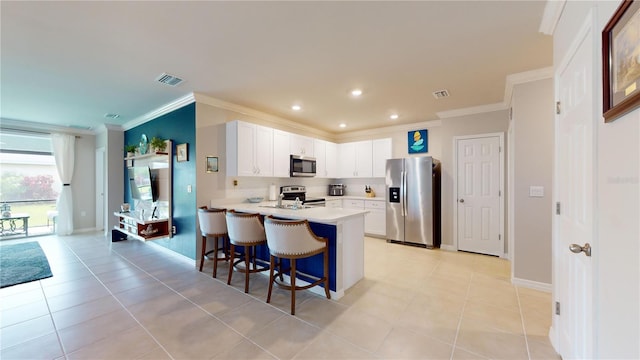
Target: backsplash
[[317, 187]]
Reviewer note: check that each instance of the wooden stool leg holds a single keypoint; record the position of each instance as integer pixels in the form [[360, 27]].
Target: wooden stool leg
[[326, 273], [293, 286], [232, 255], [204, 245], [215, 259], [271, 277], [247, 256]]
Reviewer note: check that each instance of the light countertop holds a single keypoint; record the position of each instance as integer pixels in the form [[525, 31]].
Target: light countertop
[[321, 215], [351, 197]]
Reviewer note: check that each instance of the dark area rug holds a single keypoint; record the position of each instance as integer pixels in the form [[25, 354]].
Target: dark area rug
[[21, 263]]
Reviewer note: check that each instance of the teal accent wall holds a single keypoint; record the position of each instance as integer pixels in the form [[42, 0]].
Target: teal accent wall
[[179, 126]]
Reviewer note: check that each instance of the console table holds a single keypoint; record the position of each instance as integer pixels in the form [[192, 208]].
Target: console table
[[8, 225], [144, 230]]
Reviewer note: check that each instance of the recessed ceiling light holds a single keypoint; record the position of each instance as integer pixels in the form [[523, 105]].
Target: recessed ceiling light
[[296, 108], [356, 92], [393, 116], [343, 125]]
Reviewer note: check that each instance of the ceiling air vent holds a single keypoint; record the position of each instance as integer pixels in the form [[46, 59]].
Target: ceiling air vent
[[440, 94], [111, 116], [169, 79]]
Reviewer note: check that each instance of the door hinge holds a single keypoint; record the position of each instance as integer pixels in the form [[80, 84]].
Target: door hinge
[[557, 307], [558, 208], [499, 237], [499, 149], [499, 193], [558, 107]]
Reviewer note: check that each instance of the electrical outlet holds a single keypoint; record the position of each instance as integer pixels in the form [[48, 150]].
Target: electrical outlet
[[173, 230], [235, 182], [189, 189]]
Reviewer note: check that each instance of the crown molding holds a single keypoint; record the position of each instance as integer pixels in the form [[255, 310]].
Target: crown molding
[[472, 110], [384, 131], [524, 77], [204, 99], [174, 105], [551, 16], [42, 127]]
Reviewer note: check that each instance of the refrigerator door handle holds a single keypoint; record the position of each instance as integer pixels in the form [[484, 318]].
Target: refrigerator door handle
[[404, 193]]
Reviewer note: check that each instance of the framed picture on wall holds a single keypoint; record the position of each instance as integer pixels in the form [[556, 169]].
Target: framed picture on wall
[[621, 61], [418, 141], [182, 152], [212, 164]]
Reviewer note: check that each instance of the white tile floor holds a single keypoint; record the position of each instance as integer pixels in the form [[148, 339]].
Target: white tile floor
[[132, 300]]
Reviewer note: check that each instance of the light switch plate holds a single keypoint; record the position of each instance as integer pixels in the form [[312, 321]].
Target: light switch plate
[[189, 188], [536, 191]]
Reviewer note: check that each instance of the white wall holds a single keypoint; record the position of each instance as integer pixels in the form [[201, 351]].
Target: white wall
[[532, 105], [616, 245], [112, 139], [491, 122], [83, 185]]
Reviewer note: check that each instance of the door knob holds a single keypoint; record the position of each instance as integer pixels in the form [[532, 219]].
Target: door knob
[[461, 200], [575, 248]]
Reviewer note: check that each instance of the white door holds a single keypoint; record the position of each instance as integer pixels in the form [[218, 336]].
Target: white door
[[574, 193], [479, 195], [100, 189]]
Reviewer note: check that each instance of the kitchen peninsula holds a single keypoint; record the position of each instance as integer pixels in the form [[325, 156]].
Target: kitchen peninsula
[[343, 227]]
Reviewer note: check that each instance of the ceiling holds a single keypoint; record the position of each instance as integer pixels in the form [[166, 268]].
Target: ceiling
[[70, 63]]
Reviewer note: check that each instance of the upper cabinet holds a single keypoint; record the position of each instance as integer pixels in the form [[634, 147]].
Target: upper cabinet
[[301, 145], [356, 159], [381, 152], [364, 159], [326, 159], [249, 149], [281, 153]]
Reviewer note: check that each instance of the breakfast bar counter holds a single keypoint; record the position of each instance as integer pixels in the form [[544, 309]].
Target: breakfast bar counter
[[343, 227]]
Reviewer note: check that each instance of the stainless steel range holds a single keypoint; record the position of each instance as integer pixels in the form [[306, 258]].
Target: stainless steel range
[[291, 192]]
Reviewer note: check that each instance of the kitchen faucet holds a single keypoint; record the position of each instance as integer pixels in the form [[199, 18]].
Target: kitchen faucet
[[280, 200]]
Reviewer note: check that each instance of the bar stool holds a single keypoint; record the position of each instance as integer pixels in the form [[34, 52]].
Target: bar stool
[[213, 224], [294, 239], [245, 230]]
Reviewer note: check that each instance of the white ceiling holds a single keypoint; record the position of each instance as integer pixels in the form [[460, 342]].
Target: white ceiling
[[70, 63]]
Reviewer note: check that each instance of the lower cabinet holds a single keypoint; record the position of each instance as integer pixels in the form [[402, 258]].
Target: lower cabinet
[[375, 220]]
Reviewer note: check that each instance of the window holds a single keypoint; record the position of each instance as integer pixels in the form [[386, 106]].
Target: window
[[29, 181]]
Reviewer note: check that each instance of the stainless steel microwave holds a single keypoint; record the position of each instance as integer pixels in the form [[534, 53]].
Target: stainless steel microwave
[[302, 166]]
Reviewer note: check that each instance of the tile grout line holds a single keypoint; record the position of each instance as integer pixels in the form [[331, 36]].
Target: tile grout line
[[524, 328]]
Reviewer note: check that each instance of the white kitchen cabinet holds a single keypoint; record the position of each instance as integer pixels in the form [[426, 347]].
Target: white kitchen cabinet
[[281, 153], [353, 204], [356, 159], [375, 220], [301, 145], [333, 204], [381, 152], [249, 149], [326, 156]]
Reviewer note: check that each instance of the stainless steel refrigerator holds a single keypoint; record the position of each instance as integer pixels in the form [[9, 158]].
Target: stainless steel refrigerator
[[413, 201]]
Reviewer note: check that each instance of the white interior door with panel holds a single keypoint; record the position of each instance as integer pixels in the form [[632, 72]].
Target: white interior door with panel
[[479, 173], [572, 332]]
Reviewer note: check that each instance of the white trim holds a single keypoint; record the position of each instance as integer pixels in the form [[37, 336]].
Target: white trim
[[165, 109], [500, 135], [525, 77], [471, 110], [208, 100], [551, 16], [536, 285], [42, 127], [448, 247]]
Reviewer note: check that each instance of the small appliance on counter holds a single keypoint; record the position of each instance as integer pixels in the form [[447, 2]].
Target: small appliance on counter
[[337, 189], [369, 191]]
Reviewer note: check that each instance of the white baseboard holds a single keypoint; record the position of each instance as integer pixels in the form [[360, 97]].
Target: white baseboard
[[532, 284], [448, 247]]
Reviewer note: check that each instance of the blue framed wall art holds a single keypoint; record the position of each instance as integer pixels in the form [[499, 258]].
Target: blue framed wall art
[[418, 141]]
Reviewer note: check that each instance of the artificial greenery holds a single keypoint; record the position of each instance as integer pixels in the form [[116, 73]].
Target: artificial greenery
[[130, 148], [158, 144]]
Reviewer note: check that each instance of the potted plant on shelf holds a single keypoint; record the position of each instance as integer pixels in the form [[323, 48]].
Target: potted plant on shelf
[[158, 144], [130, 150]]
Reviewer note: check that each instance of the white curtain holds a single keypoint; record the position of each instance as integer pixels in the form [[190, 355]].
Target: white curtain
[[64, 152]]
